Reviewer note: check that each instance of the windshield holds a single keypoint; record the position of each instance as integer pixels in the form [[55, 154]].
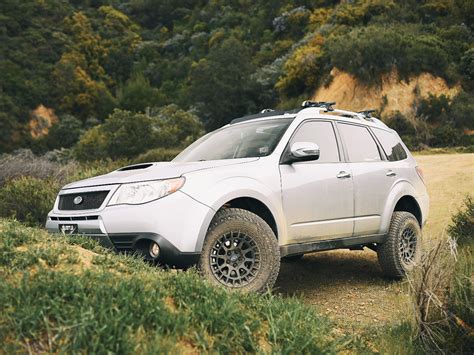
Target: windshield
[[246, 140]]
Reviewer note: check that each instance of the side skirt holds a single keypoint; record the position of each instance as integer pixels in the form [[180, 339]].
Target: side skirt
[[321, 245]]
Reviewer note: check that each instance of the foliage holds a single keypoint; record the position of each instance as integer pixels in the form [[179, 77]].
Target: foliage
[[174, 127], [369, 53], [225, 74], [92, 145], [24, 163], [441, 297], [126, 134], [28, 199], [218, 59], [76, 299], [65, 133], [137, 94], [301, 67], [157, 154], [462, 223]]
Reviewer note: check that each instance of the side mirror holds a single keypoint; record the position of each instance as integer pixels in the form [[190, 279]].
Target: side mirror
[[303, 151]]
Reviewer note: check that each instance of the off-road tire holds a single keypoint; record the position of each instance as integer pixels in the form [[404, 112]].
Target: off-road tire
[[231, 221], [292, 258], [389, 253]]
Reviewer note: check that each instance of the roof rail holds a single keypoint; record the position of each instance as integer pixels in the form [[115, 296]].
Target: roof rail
[[322, 104]]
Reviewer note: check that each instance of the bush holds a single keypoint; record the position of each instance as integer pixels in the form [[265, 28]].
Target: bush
[[28, 199], [446, 136], [65, 133], [127, 134], [462, 223], [372, 51], [441, 296], [157, 154], [123, 135], [92, 145], [24, 163], [175, 127]]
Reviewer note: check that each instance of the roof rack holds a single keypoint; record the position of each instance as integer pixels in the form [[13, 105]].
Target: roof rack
[[367, 114], [322, 104]]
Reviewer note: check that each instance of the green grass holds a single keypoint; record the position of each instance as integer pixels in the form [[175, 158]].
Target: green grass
[[67, 294]]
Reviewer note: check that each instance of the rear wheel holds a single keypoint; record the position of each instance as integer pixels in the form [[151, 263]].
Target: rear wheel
[[240, 252], [398, 254]]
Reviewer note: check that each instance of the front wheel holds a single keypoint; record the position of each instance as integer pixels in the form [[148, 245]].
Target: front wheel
[[240, 252], [401, 250]]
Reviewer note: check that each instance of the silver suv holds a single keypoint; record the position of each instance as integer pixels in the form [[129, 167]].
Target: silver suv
[[266, 187]]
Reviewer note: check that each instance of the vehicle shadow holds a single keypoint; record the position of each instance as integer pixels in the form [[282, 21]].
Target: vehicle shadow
[[348, 286]]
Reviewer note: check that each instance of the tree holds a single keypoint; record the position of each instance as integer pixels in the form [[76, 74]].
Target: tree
[[137, 94], [65, 133], [175, 127], [221, 84]]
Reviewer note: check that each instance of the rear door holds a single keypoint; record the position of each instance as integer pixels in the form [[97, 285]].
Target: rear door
[[371, 184], [317, 196]]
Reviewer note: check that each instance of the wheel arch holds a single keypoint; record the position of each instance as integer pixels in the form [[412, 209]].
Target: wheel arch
[[249, 200], [408, 203], [402, 197]]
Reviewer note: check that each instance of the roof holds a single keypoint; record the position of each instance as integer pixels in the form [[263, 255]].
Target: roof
[[322, 108]]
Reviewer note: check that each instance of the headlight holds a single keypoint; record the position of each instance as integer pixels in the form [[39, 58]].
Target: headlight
[[143, 192]]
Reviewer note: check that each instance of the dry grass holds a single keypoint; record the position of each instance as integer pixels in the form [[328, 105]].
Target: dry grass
[[429, 288], [348, 286], [25, 163], [449, 178]]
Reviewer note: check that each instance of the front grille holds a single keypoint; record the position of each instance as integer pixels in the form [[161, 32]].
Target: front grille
[[123, 242], [80, 218], [90, 200]]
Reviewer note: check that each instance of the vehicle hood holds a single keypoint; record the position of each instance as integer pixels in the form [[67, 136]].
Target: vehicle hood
[[154, 171]]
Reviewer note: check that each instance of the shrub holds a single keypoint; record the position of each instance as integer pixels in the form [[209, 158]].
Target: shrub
[[127, 134], [28, 199], [372, 51], [303, 68], [462, 223], [441, 297], [157, 154], [445, 136], [175, 127], [24, 163], [65, 133]]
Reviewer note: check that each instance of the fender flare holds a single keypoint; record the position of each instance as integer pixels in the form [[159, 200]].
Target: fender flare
[[240, 187], [399, 190]]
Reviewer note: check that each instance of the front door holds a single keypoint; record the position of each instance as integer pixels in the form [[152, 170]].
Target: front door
[[317, 196]]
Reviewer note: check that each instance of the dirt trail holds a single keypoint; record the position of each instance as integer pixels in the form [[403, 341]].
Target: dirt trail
[[348, 286]]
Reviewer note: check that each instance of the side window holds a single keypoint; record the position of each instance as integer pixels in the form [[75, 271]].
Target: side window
[[390, 144], [360, 144], [321, 133]]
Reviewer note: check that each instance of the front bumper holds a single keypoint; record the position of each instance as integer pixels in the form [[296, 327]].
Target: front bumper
[[177, 223]]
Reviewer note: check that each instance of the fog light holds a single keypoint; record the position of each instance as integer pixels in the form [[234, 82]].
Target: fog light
[[154, 250]]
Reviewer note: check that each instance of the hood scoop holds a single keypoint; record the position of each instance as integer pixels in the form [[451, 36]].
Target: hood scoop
[[135, 167]]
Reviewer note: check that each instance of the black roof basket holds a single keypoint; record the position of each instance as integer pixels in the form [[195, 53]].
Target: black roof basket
[[326, 105]]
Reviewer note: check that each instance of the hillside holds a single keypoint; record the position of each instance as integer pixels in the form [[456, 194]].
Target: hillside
[[63, 295], [390, 96], [80, 60]]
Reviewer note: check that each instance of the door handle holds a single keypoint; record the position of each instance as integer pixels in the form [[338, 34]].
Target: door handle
[[391, 173], [343, 175]]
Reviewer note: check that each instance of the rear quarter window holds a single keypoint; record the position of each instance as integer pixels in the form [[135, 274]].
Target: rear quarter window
[[391, 144]]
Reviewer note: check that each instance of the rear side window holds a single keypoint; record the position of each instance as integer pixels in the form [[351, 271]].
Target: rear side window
[[361, 146], [321, 133], [390, 144]]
